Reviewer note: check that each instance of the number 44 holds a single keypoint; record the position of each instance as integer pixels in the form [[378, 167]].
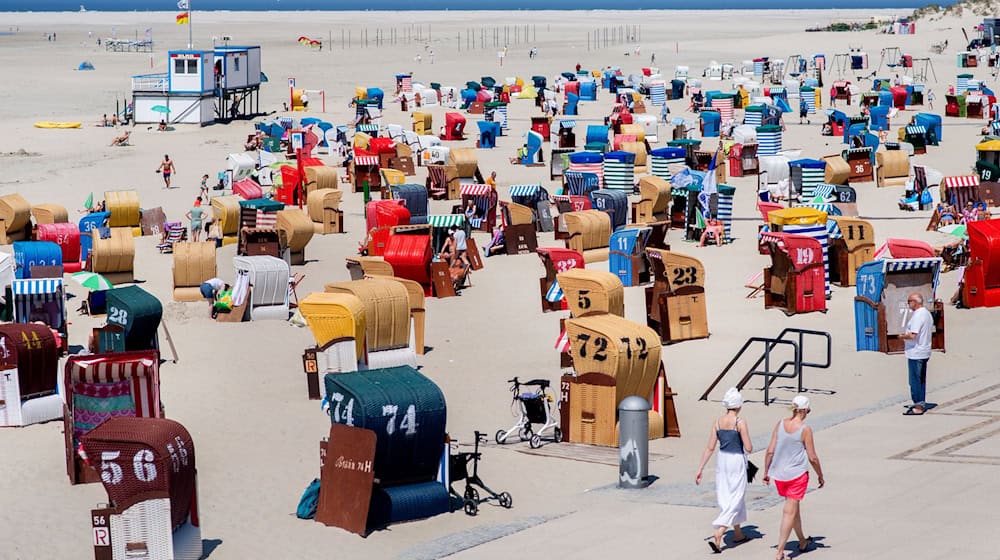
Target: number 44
[[408, 423]]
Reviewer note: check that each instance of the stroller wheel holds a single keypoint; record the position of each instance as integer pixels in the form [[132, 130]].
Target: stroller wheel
[[524, 433], [506, 500], [557, 434], [500, 436], [536, 441], [471, 508], [471, 494]]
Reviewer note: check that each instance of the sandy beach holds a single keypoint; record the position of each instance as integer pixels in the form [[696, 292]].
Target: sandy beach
[[896, 487]]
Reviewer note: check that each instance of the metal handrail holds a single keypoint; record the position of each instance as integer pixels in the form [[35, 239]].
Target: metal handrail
[[797, 364]]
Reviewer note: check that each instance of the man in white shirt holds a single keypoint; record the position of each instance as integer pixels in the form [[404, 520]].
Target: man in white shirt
[[461, 245], [917, 347]]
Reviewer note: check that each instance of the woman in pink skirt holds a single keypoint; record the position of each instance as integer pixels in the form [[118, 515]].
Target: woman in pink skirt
[[789, 455]]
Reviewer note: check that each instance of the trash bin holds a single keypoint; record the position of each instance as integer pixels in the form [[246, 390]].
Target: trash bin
[[633, 442]]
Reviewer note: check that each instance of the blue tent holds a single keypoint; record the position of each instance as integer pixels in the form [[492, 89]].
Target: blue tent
[[85, 65]]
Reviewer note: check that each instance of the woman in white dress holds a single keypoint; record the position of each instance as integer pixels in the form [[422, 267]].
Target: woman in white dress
[[733, 436]]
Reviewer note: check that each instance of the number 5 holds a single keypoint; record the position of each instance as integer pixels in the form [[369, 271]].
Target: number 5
[[111, 473]]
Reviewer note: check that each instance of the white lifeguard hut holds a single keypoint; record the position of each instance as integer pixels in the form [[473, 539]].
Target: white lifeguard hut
[[237, 80], [200, 87]]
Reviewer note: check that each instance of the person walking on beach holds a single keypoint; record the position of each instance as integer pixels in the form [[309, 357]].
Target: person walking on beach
[[917, 347], [789, 455], [930, 99], [803, 111], [733, 436], [167, 169], [195, 215]]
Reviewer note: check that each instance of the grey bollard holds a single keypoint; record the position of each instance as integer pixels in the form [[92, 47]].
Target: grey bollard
[[633, 442]]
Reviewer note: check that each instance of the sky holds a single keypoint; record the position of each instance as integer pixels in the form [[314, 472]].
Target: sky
[[257, 5]]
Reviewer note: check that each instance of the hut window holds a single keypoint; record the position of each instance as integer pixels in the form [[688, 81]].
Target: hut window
[[179, 66], [236, 63], [192, 66]]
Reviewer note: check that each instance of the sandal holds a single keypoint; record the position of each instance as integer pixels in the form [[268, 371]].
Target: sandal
[[715, 548], [914, 412]]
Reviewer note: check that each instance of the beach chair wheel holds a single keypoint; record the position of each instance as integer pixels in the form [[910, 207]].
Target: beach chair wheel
[[506, 500], [536, 441], [471, 508], [471, 494], [524, 433], [557, 434]]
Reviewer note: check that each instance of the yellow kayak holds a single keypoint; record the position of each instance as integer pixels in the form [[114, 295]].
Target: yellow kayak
[[47, 124]]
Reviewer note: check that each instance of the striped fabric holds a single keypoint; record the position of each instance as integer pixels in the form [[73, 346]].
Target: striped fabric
[[36, 293], [619, 175], [823, 191], [768, 143], [366, 160], [142, 371], [407, 83], [524, 190], [961, 85], [446, 220], [916, 129], [758, 68], [819, 233], [660, 166], [899, 265], [367, 128], [475, 190], [476, 223], [595, 168], [833, 229], [830, 209], [769, 237], [266, 220], [40, 286], [995, 127], [502, 116], [580, 184], [778, 92], [753, 118], [810, 99], [961, 181], [811, 178], [658, 93], [555, 292], [562, 343], [725, 213], [725, 107]]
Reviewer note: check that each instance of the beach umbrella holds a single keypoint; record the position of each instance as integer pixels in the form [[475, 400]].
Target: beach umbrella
[[159, 109], [92, 280], [957, 230]]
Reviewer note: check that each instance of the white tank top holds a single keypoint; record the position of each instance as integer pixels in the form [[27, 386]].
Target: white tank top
[[790, 460]]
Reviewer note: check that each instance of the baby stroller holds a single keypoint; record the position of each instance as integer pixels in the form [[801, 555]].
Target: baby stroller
[[536, 408], [458, 465]]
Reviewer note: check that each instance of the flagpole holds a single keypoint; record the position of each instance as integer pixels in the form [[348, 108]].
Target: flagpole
[[190, 40]]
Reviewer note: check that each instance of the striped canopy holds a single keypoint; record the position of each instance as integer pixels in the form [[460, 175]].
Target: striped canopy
[[37, 286], [365, 160], [961, 181], [916, 129], [475, 190], [896, 265], [524, 190], [446, 220], [39, 292], [366, 128]]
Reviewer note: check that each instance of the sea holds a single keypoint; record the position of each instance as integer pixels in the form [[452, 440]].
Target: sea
[[434, 5]]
